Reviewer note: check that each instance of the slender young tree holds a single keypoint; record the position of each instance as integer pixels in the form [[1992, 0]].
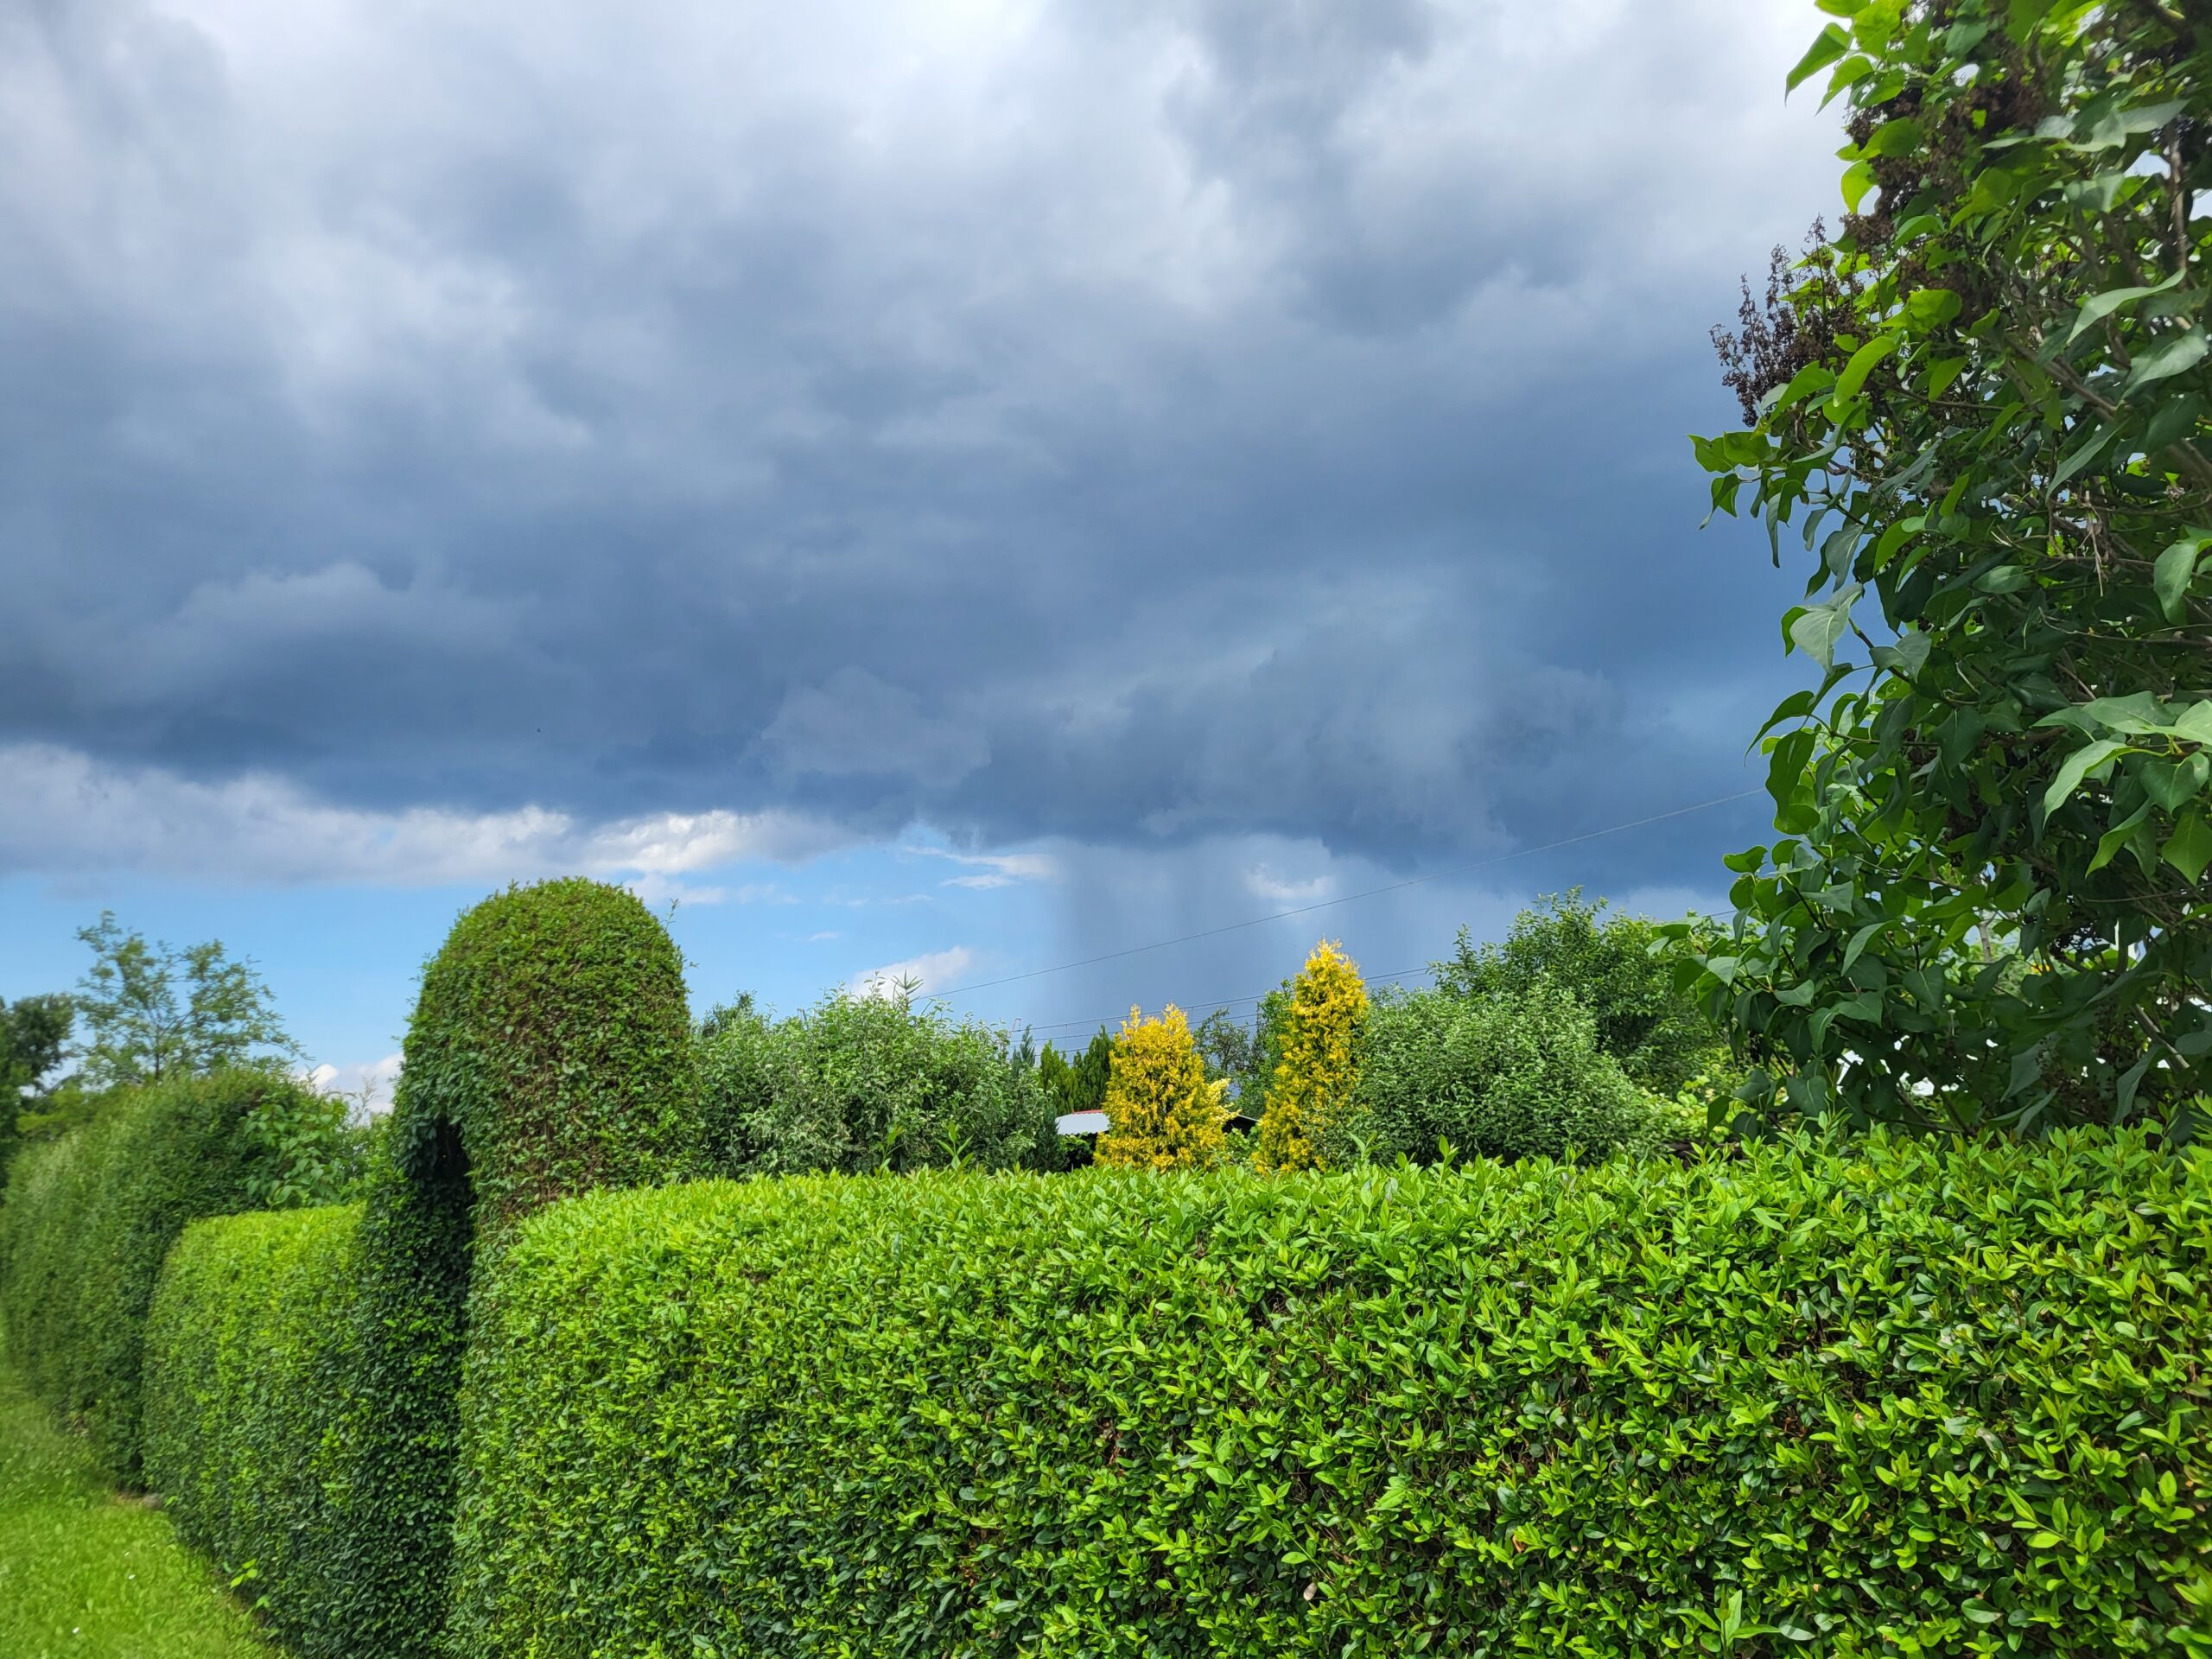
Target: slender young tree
[[1319, 1068]]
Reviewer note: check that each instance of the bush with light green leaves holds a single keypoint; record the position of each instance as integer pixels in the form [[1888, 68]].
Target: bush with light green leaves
[[249, 1358], [1894, 1397]]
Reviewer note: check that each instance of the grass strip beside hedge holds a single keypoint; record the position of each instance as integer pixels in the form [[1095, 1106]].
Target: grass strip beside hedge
[[247, 1360], [1886, 1398], [88, 1575]]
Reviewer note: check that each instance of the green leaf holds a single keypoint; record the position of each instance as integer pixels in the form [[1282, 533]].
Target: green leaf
[[1833, 43], [1907, 657], [1819, 627], [2176, 354], [1813, 378], [1795, 706], [2079, 764], [2118, 836], [1848, 73], [2194, 724], [1862, 364], [2117, 128], [1898, 137], [1943, 373], [2096, 310], [1931, 308], [2085, 453], [1857, 180], [2131, 1080], [2170, 575], [2189, 848], [2139, 714], [2172, 782]]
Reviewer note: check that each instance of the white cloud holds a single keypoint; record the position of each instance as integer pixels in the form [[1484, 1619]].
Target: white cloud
[[657, 890], [1263, 883], [932, 971], [369, 1082], [989, 870], [68, 813]]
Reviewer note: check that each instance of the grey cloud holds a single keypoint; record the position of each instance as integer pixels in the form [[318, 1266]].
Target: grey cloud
[[853, 724], [1131, 423]]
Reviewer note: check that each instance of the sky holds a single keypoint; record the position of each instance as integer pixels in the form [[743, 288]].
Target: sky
[[939, 488]]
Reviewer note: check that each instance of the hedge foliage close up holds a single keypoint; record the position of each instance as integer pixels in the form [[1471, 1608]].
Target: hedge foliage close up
[[89, 1218], [248, 1363], [1890, 1398]]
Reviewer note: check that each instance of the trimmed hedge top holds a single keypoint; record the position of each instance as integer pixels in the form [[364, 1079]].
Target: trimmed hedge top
[[553, 1033], [1887, 1398]]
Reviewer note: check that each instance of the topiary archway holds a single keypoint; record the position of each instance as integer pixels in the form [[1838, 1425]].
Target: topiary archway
[[548, 1054]]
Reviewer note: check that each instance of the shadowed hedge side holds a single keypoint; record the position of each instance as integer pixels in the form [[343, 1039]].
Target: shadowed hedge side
[[1884, 1398], [549, 1053]]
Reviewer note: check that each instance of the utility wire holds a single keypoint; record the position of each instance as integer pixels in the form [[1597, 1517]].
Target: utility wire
[[1208, 1007], [1349, 898]]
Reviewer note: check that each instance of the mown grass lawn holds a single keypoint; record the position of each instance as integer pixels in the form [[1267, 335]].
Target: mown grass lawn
[[87, 1574]]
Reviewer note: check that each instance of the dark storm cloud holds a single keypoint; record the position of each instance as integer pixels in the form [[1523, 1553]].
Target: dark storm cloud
[[1128, 423]]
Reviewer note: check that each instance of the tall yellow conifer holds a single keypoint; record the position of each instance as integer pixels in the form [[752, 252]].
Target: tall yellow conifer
[[1160, 1111], [1314, 1079]]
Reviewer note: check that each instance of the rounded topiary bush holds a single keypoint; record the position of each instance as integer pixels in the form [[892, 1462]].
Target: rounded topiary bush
[[549, 1054]]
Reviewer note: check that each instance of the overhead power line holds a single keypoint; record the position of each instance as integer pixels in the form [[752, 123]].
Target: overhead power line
[[1206, 1008], [1352, 898]]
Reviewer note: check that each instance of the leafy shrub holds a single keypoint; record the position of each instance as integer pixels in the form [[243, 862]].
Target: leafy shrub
[[1881, 1398], [863, 1083], [1508, 1075], [90, 1216], [247, 1358], [1319, 1068], [1989, 901], [549, 1053], [1605, 962], [1161, 1112]]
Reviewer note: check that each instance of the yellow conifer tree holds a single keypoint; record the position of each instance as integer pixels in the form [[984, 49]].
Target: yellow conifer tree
[[1160, 1111], [1313, 1080]]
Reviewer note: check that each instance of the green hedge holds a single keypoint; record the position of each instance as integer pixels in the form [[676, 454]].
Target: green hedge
[[247, 1359], [549, 1053], [1885, 1399], [89, 1218]]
